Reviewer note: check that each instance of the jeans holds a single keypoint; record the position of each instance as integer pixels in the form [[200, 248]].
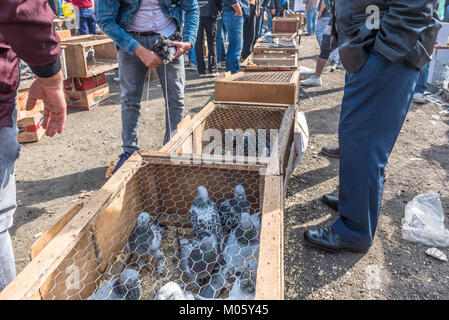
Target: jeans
[[221, 41], [259, 23], [375, 103], [132, 74], [249, 32], [9, 153], [192, 55], [311, 20], [320, 26], [87, 21], [209, 25], [234, 29], [269, 20], [421, 84]]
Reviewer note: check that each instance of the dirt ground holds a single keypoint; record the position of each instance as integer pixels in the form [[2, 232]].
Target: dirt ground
[[56, 172]]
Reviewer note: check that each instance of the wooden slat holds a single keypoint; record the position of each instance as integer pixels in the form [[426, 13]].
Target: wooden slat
[[43, 240], [270, 284], [27, 282]]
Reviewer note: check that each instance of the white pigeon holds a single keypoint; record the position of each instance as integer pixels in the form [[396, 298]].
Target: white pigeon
[[172, 291], [125, 287], [244, 287], [231, 209], [205, 218], [146, 239]]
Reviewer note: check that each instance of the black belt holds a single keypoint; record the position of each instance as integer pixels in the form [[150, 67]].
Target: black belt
[[145, 33]]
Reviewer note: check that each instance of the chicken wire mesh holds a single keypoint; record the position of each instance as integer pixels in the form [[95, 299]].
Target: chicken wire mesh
[[274, 77], [174, 232]]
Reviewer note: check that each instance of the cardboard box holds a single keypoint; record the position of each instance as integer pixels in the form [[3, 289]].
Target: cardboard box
[[30, 129], [84, 83], [86, 99], [21, 101]]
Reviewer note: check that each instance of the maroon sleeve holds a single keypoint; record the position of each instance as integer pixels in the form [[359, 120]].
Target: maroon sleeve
[[27, 26]]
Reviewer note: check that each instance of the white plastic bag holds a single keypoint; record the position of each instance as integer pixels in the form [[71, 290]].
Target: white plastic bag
[[424, 221], [301, 138]]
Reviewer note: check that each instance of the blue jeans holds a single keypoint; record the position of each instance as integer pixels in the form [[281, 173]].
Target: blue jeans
[[87, 21], [9, 152], [221, 41], [269, 20], [132, 73], [421, 85], [375, 103], [234, 29], [260, 23], [192, 55], [311, 20], [319, 30]]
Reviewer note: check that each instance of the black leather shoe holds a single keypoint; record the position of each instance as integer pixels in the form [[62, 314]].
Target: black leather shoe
[[331, 201], [327, 239], [331, 151]]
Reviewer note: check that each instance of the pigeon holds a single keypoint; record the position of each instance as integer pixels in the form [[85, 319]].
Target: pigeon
[[230, 210], [125, 287], [242, 246], [146, 239], [204, 216], [244, 287], [172, 291], [198, 257]]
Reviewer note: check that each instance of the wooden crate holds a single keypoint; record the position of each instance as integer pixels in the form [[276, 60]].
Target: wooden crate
[[79, 253], [301, 16], [75, 49], [285, 42], [258, 87], [281, 24], [270, 61]]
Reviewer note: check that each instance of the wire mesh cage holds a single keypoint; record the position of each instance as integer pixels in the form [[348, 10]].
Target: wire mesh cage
[[270, 61], [158, 230], [278, 87]]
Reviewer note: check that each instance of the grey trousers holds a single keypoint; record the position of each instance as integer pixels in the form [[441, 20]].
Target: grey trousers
[[9, 152], [132, 73]]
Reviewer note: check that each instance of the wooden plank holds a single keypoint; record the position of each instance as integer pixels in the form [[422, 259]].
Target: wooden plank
[[269, 284], [64, 34], [27, 282], [43, 240]]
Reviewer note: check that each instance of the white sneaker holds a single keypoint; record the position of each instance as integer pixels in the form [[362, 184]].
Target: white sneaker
[[313, 81], [193, 66], [418, 98]]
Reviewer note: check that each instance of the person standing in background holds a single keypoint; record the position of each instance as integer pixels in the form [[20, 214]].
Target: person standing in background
[[264, 8], [249, 28], [209, 11], [324, 16], [234, 13], [311, 15], [87, 21]]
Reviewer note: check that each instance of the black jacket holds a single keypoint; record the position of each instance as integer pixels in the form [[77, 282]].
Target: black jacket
[[210, 8], [407, 31]]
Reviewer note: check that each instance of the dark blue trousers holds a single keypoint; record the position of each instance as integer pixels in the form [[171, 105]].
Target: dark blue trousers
[[375, 103], [87, 21]]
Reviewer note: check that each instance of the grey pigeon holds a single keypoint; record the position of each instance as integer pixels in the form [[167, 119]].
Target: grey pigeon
[[172, 291], [244, 287], [205, 218], [146, 239], [198, 257], [125, 287], [231, 209], [242, 246]]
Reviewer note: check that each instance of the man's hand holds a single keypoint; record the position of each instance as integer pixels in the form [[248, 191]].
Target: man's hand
[[50, 90], [238, 9], [273, 12], [148, 57], [181, 48]]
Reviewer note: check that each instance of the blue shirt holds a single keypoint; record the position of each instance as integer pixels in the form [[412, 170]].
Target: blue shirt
[[113, 16]]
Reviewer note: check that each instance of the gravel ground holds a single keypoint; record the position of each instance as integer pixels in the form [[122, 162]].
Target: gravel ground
[[56, 172]]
